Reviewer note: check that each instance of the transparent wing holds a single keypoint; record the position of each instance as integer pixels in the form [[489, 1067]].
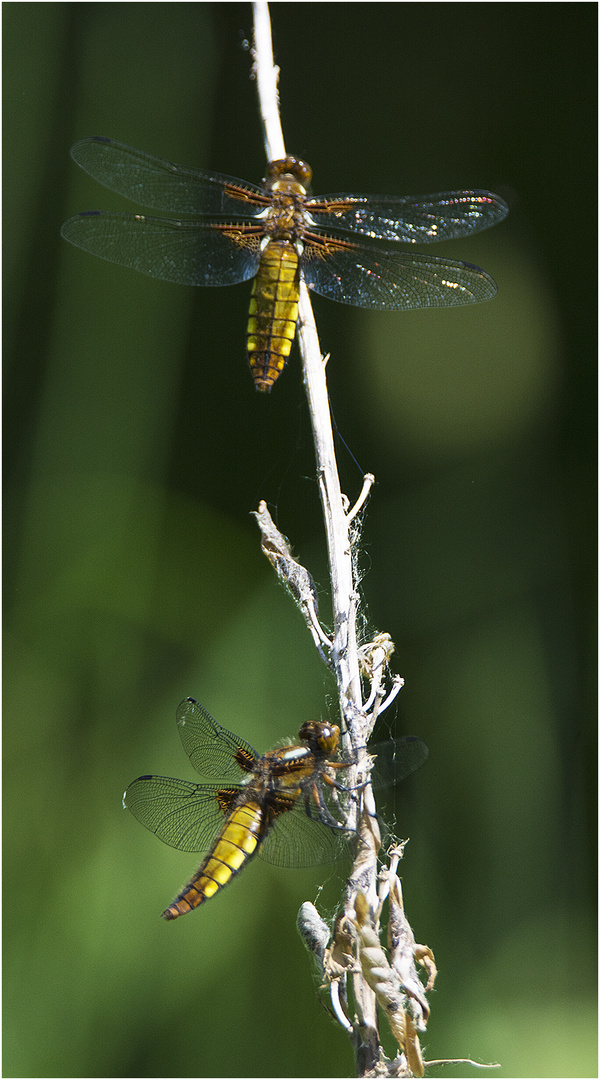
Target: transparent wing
[[385, 279], [296, 840], [190, 817], [185, 816], [212, 749], [163, 185], [185, 252], [396, 759], [414, 219]]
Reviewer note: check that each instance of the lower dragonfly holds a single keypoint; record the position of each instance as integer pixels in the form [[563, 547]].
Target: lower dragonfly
[[346, 247], [279, 806]]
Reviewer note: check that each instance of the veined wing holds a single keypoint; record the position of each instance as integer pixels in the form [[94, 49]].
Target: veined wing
[[185, 816], [296, 840], [186, 252], [396, 759], [369, 276], [190, 817], [413, 219], [212, 749], [163, 185]]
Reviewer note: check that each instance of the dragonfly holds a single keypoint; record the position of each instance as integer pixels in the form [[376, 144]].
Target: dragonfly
[[345, 247], [283, 806]]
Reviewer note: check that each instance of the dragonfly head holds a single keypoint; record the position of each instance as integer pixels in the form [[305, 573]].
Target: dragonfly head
[[288, 169], [322, 738]]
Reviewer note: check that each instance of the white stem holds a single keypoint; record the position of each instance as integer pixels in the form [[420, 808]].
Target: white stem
[[267, 77], [343, 597], [344, 647], [344, 650]]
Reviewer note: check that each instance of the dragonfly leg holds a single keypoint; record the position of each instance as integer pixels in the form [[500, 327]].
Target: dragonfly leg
[[325, 814], [336, 784]]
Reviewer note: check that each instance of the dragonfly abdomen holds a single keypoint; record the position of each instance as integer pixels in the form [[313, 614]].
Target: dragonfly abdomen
[[236, 844], [273, 312]]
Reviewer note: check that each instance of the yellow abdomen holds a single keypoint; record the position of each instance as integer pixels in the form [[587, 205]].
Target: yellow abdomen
[[236, 844], [273, 312]]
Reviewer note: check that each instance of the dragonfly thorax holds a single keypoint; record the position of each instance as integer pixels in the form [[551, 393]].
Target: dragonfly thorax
[[284, 219], [295, 753]]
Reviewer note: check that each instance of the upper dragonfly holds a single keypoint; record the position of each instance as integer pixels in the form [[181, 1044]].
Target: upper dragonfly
[[344, 246]]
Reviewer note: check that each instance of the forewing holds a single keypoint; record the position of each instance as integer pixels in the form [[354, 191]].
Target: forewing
[[163, 185], [184, 252], [413, 219], [296, 840], [384, 279], [396, 759], [185, 816], [212, 749]]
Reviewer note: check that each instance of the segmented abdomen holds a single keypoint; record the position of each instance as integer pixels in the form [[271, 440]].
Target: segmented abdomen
[[236, 844], [273, 312]]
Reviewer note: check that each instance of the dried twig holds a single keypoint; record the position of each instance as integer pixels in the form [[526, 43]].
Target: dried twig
[[389, 982], [343, 656]]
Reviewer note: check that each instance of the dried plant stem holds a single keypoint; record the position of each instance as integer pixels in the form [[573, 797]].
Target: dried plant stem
[[344, 648], [355, 952], [344, 651], [267, 77]]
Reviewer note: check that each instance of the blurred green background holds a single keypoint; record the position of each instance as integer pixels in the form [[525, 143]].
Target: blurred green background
[[135, 449]]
